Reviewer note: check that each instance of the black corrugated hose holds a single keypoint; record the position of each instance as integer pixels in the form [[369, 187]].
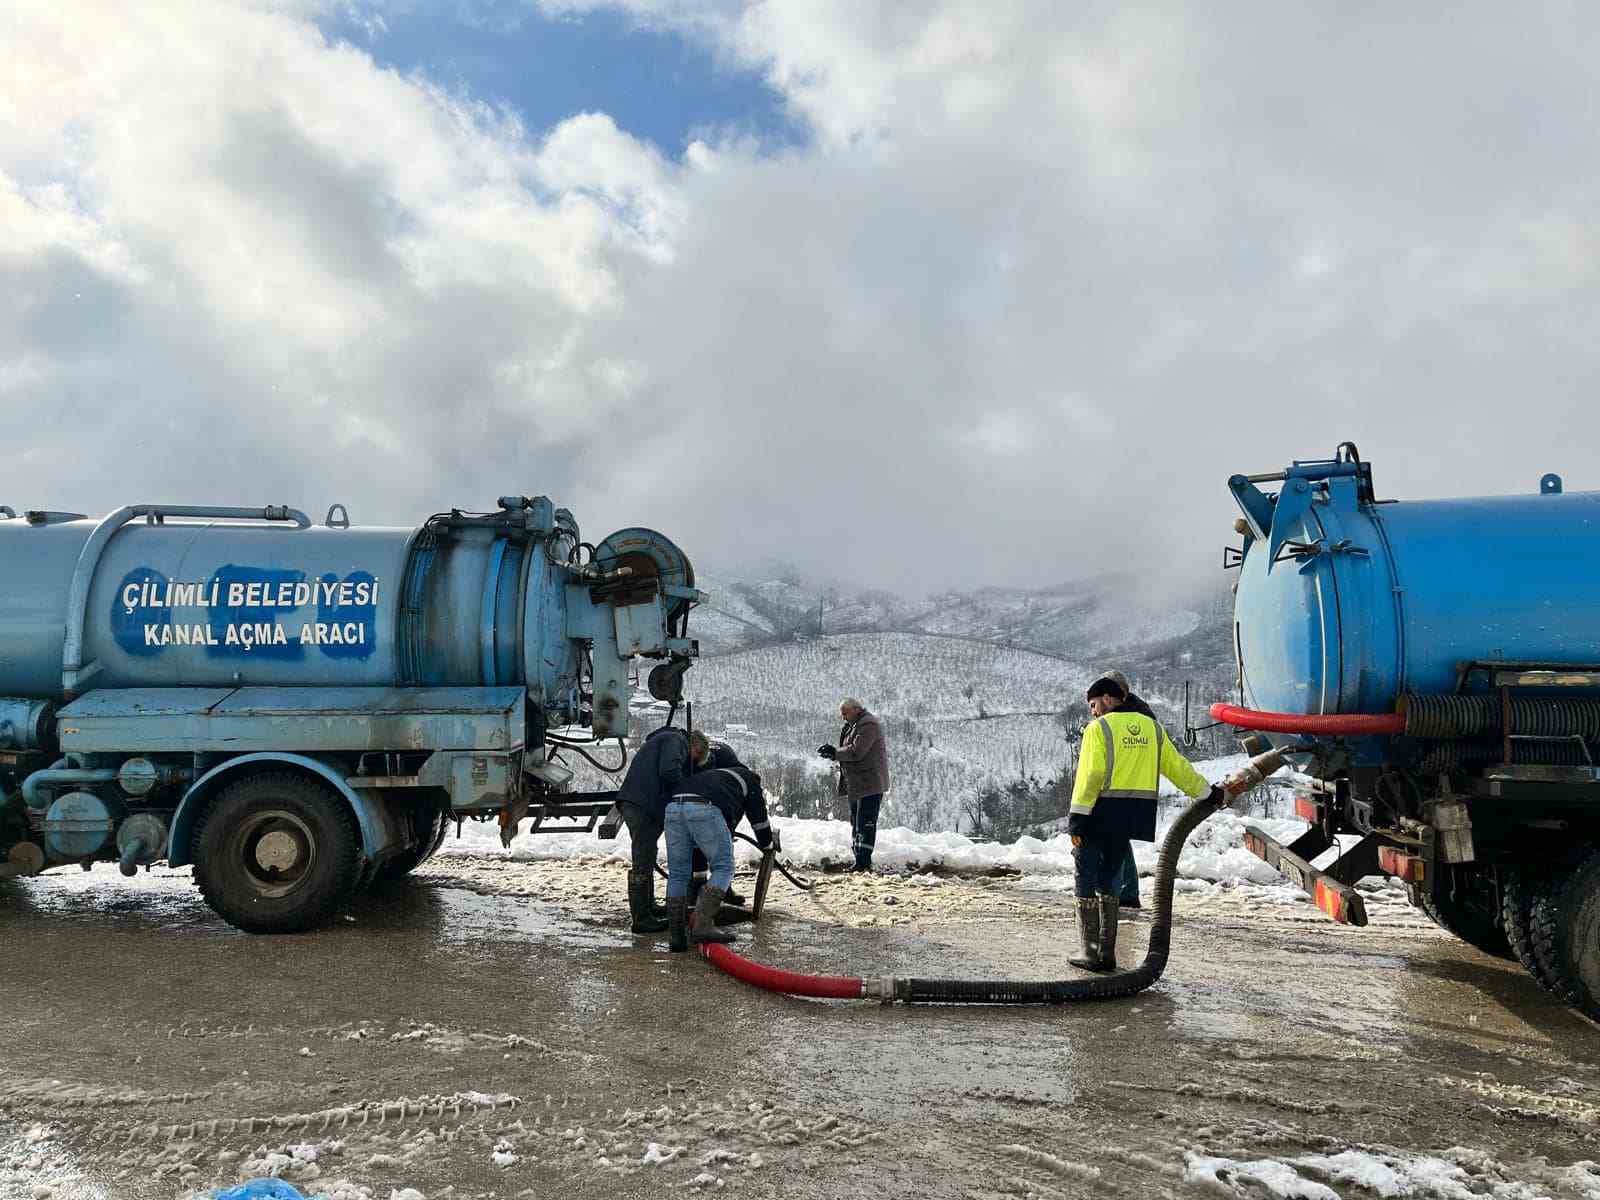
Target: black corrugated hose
[[1101, 987]]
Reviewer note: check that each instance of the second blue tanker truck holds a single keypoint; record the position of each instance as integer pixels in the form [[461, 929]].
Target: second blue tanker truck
[[1434, 669], [298, 709]]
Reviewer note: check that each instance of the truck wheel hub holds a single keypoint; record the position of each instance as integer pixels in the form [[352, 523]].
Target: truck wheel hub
[[278, 851]]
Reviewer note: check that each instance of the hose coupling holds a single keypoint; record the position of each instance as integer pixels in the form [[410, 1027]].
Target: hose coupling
[[1253, 772]]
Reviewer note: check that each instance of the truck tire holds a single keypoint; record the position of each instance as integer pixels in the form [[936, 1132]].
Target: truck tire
[[1565, 924], [277, 853], [1519, 888], [1460, 913], [429, 826]]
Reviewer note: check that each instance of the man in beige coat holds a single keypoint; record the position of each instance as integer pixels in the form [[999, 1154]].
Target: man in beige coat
[[863, 758]]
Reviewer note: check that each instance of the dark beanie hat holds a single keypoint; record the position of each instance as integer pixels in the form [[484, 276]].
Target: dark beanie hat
[[1107, 687]]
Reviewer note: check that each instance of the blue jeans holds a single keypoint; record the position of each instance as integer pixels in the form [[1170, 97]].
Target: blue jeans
[[864, 827], [1099, 863], [691, 825]]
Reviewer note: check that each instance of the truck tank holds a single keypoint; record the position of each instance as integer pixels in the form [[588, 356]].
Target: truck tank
[[1346, 603], [299, 710], [1433, 669], [167, 596]]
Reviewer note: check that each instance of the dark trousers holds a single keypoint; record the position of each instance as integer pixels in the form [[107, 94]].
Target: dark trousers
[[644, 831], [1128, 878], [1099, 863], [864, 827]]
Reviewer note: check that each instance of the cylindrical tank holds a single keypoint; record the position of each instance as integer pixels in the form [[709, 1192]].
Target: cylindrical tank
[[156, 597], [1368, 600]]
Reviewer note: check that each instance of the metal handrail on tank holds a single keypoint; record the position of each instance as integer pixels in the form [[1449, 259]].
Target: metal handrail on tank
[[73, 670]]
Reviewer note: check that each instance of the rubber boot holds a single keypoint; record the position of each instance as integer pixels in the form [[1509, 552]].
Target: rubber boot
[[732, 897], [642, 902], [677, 923], [1109, 906], [696, 882], [704, 928], [1088, 933]]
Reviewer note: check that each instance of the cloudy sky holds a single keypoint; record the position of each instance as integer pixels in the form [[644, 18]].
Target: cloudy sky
[[921, 294]]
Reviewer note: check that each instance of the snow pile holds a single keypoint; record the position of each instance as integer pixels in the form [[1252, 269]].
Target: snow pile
[[1215, 853], [1459, 1173]]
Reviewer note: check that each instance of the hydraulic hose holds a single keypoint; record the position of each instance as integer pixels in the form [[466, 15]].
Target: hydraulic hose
[[1331, 724], [1005, 991], [803, 885]]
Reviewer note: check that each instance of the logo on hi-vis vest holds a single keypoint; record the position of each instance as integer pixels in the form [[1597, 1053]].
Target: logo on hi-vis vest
[[260, 612], [1135, 737]]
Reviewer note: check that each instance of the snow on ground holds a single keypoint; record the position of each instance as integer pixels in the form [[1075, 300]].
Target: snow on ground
[[1455, 1174], [33, 1163], [1214, 854]]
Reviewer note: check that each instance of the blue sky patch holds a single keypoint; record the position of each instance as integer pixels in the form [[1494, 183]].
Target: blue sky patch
[[656, 85]]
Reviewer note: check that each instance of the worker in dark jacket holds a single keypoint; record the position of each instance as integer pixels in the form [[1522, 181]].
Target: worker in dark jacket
[[661, 764], [1128, 877], [702, 812], [863, 758], [1124, 757]]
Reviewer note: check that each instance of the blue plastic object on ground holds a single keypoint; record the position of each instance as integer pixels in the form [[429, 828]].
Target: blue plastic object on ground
[[262, 1189]]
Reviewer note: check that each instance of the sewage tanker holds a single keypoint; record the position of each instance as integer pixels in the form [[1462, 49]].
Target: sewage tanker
[[298, 709], [1434, 667]]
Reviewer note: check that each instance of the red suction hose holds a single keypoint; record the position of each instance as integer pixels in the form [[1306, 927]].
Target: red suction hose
[[1333, 724], [825, 987], [890, 989]]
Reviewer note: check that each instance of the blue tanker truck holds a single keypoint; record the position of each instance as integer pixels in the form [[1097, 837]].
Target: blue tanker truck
[[298, 710], [1434, 668]]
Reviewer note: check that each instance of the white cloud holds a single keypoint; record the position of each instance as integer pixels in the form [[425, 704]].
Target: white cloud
[[1037, 261]]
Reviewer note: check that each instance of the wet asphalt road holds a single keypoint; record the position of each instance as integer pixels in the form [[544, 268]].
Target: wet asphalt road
[[488, 1028]]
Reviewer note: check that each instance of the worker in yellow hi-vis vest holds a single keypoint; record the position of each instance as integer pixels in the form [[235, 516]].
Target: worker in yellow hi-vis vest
[[1120, 766]]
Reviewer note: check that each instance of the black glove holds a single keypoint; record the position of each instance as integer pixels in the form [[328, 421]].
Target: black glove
[[828, 752], [1217, 796], [763, 838], [777, 843]]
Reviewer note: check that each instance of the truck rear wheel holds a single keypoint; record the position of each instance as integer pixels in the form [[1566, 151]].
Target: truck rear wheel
[[1565, 924], [277, 853], [1465, 906], [429, 823], [1519, 888]]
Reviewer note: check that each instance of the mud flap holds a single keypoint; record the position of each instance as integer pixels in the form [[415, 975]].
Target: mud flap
[[1331, 889], [758, 899]]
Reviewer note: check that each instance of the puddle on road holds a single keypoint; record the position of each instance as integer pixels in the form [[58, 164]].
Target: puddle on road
[[168, 900]]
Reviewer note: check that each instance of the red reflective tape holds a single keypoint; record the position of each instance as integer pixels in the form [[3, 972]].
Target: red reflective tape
[[1395, 861], [1330, 901], [1307, 809]]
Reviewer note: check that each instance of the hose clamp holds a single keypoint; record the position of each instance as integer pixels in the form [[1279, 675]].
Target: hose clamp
[[886, 989]]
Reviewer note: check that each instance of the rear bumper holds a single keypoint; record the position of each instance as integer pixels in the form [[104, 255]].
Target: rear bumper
[[1331, 889]]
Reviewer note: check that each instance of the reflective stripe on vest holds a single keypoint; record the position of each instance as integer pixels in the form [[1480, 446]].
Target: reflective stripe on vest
[[1106, 790]]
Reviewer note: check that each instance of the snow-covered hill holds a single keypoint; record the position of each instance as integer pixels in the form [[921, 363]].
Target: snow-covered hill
[[977, 689], [1086, 620]]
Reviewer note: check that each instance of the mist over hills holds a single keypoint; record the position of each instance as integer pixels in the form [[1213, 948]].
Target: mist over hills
[[1169, 628], [980, 691]]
